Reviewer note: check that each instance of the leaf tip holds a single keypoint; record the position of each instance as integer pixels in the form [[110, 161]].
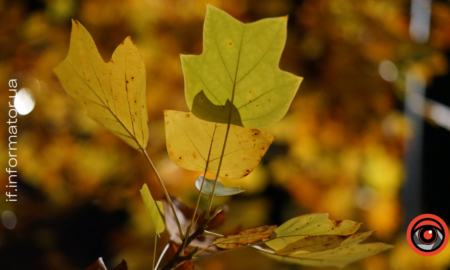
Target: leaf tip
[[144, 187], [273, 137], [210, 7], [129, 39]]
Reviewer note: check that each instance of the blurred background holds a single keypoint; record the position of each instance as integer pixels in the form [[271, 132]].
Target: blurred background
[[366, 138]]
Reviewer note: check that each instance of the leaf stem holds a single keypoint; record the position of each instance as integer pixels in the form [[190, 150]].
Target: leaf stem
[[211, 198], [154, 250], [165, 192], [201, 187], [228, 129], [179, 258], [213, 234], [195, 257], [162, 255], [254, 245]]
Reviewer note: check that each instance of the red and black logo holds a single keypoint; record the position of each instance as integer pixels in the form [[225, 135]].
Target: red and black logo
[[427, 235]]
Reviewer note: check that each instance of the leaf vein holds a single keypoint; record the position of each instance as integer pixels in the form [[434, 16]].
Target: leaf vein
[[262, 57], [187, 135]]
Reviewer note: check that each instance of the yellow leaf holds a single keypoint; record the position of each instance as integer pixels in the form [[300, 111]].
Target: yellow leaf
[[245, 237], [112, 93], [189, 143], [309, 225], [336, 257], [321, 242]]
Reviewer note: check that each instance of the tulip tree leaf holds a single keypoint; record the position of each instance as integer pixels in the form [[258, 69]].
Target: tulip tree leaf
[[155, 209], [245, 237], [336, 257], [310, 225], [189, 144], [321, 242], [317, 247], [114, 93], [220, 191], [204, 109], [239, 63]]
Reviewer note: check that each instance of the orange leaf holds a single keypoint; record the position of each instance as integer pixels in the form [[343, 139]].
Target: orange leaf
[[245, 237]]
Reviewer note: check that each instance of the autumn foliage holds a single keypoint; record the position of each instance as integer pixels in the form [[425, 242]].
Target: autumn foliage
[[232, 89]]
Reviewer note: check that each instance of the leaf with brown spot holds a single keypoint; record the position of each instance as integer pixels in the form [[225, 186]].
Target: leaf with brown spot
[[321, 242], [114, 93], [342, 253], [245, 237], [189, 138], [309, 225], [239, 66]]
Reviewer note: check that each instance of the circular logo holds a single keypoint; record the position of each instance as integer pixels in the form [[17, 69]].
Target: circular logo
[[427, 235]]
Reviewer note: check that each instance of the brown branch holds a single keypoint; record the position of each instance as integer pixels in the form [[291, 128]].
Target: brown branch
[[178, 258]]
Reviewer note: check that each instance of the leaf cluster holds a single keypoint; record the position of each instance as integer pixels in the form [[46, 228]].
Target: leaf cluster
[[232, 89]]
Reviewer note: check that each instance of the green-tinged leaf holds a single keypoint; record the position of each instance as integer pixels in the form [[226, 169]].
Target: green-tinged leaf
[[336, 257], [189, 144], [204, 109], [239, 63], [155, 209], [220, 191], [113, 93], [310, 225], [245, 237]]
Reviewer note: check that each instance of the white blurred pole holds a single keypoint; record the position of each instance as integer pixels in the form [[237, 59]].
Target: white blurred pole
[[414, 110], [419, 30], [419, 26]]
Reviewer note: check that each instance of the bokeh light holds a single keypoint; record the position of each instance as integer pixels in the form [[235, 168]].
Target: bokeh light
[[24, 101], [9, 220], [388, 71]]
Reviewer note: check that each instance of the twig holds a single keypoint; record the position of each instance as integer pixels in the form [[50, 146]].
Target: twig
[[193, 220], [226, 133], [165, 192], [252, 245], [162, 255], [178, 258], [213, 234], [154, 250]]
